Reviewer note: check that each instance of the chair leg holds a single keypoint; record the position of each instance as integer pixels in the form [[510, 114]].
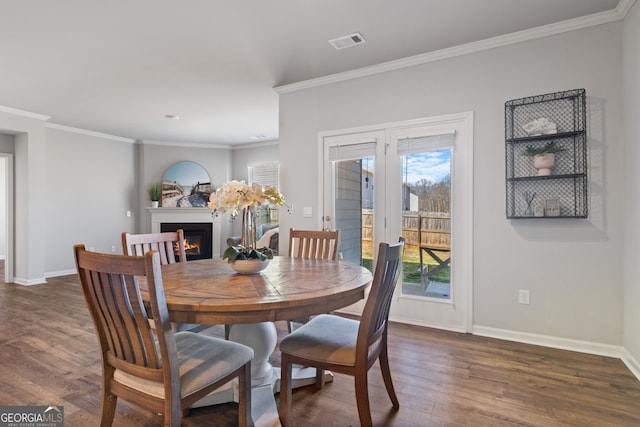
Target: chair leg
[[362, 399], [173, 412], [109, 403], [109, 400], [285, 390], [319, 378], [244, 389], [386, 375]]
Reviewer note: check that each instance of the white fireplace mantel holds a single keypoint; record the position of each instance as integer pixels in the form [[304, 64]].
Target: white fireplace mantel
[[187, 215]]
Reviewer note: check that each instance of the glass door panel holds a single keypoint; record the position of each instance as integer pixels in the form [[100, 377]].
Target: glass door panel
[[426, 223]]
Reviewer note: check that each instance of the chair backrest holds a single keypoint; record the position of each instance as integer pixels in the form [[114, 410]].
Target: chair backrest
[[314, 244], [168, 244], [373, 323], [128, 340]]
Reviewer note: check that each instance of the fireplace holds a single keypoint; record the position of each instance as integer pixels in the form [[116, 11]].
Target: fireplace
[[197, 238], [185, 218]]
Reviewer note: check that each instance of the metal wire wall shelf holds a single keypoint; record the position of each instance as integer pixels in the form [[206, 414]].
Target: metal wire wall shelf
[[558, 119]]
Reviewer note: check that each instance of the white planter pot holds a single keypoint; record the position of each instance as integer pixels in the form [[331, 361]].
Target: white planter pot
[[544, 163]]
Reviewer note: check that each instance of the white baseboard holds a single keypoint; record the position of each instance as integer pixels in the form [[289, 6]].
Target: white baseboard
[[61, 273], [29, 282], [631, 362], [550, 341]]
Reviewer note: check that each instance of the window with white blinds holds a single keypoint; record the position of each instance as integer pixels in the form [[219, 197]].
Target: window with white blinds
[[441, 141], [265, 174], [352, 151]]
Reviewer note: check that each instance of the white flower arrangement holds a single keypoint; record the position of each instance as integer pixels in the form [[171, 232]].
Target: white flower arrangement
[[238, 196], [235, 196]]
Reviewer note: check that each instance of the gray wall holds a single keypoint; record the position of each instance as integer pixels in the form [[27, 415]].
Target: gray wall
[[154, 160], [90, 185], [631, 207], [222, 164], [572, 267]]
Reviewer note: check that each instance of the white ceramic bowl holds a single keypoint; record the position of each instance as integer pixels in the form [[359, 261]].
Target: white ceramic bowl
[[249, 266]]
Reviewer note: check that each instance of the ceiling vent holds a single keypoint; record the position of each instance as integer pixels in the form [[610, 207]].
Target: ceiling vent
[[347, 41]]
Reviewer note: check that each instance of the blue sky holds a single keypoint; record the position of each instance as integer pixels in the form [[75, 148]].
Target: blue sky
[[186, 174], [433, 166]]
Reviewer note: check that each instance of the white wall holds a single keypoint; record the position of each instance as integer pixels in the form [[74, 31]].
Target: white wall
[[572, 267], [631, 207]]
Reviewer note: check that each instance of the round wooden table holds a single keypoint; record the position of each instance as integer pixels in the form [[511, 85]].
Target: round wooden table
[[209, 292]]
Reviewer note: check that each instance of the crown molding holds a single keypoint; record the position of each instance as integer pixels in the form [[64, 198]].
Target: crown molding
[[23, 113], [255, 145], [88, 132], [624, 6], [464, 49], [183, 144]]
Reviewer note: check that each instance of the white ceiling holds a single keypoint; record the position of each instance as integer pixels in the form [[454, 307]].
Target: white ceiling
[[119, 66]]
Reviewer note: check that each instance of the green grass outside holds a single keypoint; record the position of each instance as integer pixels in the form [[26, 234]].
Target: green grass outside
[[410, 264]]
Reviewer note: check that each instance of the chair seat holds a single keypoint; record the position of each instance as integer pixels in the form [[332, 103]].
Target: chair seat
[[325, 338], [201, 359]]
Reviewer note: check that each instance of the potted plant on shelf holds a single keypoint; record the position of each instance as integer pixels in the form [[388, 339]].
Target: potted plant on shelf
[[155, 191], [544, 157]]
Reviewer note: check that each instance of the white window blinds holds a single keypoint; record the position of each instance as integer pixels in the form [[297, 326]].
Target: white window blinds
[[426, 143], [352, 151], [265, 174]]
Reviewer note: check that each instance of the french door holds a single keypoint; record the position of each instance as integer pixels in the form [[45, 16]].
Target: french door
[[410, 179]]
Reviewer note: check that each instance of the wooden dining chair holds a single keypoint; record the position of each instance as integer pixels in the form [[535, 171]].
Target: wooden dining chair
[[145, 362], [317, 244], [314, 244], [344, 345], [169, 244]]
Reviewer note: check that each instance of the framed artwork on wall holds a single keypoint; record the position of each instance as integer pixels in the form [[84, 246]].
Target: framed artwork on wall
[[186, 185]]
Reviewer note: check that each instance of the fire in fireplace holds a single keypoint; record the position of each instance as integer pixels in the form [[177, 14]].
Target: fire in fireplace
[[197, 238]]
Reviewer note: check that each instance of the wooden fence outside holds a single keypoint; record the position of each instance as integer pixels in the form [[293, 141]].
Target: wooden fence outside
[[418, 228]]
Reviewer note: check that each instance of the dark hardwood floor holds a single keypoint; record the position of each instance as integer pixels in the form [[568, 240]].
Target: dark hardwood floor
[[48, 354]]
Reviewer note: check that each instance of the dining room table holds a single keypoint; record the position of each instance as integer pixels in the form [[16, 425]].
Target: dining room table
[[210, 292]]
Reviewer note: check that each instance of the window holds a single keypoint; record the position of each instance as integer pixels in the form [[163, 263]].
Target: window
[[265, 174]]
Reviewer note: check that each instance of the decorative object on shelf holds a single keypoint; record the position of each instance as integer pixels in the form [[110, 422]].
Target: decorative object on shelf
[[528, 198], [155, 191], [546, 154], [541, 126], [552, 207], [235, 197], [544, 158], [539, 209]]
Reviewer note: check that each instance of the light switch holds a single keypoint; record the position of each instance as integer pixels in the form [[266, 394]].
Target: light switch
[[307, 212]]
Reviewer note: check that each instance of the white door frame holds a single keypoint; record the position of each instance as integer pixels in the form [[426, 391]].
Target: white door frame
[[455, 314], [9, 220]]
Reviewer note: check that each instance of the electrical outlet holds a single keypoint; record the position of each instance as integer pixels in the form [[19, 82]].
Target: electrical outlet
[[113, 248], [523, 296]]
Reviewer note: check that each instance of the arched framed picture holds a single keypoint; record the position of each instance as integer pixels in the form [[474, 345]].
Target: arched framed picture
[[186, 185]]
